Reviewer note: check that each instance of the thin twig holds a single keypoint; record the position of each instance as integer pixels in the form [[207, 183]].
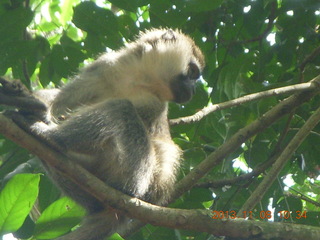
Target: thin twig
[[309, 58], [259, 192], [302, 197], [269, 27], [236, 180], [248, 98]]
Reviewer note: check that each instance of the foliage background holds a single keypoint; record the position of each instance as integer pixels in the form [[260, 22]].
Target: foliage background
[[250, 46]]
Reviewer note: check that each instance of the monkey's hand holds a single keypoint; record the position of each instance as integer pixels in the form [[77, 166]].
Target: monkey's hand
[[29, 111], [14, 87], [14, 93]]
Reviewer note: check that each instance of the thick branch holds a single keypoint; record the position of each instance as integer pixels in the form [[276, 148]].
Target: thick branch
[[248, 98], [199, 220], [259, 192]]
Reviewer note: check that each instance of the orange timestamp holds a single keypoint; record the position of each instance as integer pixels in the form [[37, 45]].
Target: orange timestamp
[[262, 214]]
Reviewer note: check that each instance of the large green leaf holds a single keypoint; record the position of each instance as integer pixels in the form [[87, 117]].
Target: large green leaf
[[202, 6], [129, 5], [14, 22], [16, 201], [93, 19], [58, 219]]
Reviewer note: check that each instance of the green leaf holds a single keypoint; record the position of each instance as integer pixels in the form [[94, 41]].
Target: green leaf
[[162, 13], [161, 233], [129, 5], [115, 236], [91, 18], [58, 218], [127, 26], [202, 6], [199, 195], [48, 193], [16, 201], [16, 21], [66, 11], [93, 44], [12, 156]]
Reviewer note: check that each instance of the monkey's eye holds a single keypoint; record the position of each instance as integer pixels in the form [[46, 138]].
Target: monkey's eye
[[193, 71]]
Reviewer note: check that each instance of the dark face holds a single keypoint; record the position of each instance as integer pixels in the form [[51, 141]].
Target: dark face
[[183, 86]]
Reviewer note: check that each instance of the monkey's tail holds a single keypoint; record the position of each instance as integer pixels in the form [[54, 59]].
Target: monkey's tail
[[97, 226]]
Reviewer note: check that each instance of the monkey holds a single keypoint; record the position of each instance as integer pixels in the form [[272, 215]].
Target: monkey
[[112, 119]]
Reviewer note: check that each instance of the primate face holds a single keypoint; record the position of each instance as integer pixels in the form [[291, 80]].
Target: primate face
[[171, 63], [183, 86]]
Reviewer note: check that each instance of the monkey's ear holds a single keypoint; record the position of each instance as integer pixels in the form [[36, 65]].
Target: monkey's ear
[[168, 35]]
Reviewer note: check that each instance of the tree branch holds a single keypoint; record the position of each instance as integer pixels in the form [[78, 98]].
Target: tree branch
[[268, 180], [236, 180], [309, 58], [248, 98], [199, 220], [299, 195]]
